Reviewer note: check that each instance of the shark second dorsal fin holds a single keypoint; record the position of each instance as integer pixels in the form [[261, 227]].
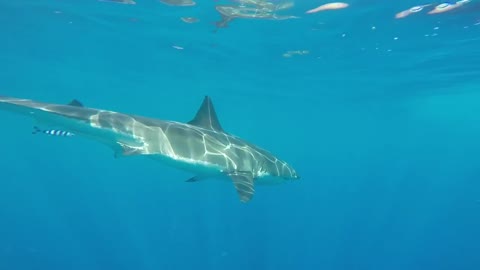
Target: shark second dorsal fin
[[75, 103], [206, 117]]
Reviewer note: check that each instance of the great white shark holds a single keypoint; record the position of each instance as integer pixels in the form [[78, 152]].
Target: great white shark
[[200, 146]]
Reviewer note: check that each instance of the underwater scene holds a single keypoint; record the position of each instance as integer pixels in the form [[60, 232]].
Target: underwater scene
[[239, 134]]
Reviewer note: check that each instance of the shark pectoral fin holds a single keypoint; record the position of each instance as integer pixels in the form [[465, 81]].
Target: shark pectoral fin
[[243, 182]]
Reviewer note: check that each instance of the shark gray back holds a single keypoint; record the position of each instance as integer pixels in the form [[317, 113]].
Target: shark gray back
[[200, 146]]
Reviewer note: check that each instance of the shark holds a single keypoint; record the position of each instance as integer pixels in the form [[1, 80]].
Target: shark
[[201, 146]]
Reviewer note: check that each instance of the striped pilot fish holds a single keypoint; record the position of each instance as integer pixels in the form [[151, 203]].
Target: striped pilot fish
[[58, 132], [52, 132]]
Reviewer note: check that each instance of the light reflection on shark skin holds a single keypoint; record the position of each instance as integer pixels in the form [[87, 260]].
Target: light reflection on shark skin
[[200, 146], [126, 2], [180, 3], [265, 4], [252, 9]]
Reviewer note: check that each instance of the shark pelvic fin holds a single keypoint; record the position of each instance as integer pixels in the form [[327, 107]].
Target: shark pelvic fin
[[195, 178], [127, 150], [75, 103], [243, 182], [206, 116]]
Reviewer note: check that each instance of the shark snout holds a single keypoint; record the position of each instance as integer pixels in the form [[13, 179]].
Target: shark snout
[[290, 173], [292, 177]]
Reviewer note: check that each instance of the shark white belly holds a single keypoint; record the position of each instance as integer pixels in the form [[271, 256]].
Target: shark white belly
[[200, 146]]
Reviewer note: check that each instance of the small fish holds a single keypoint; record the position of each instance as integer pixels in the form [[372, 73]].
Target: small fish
[[127, 2], [189, 19], [329, 6], [444, 7], [52, 132], [410, 11]]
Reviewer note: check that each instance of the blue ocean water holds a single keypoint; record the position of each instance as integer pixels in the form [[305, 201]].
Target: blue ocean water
[[379, 116]]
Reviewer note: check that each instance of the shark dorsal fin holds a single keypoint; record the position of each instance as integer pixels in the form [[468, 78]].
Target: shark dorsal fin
[[75, 103], [206, 117]]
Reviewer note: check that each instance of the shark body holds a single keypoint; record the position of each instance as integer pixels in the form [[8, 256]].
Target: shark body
[[200, 146]]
